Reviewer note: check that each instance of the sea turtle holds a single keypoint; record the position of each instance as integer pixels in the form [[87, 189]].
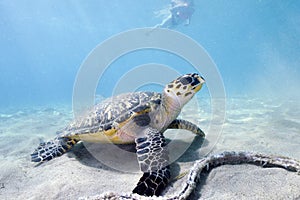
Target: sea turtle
[[138, 117]]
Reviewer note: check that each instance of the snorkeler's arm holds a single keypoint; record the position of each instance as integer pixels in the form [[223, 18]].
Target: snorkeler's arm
[[166, 23]]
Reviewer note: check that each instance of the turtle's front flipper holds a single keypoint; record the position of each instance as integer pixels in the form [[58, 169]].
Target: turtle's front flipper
[[54, 148], [184, 124], [153, 160]]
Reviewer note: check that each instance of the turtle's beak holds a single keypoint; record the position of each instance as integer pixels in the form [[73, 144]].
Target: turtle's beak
[[198, 88], [200, 81]]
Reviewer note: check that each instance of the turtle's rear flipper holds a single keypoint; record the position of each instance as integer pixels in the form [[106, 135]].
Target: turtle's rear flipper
[[54, 148], [153, 160]]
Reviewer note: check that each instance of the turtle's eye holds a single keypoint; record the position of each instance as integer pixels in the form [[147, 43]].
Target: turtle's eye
[[196, 82], [186, 80]]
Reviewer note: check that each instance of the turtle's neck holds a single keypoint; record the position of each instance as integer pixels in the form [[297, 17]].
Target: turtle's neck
[[170, 107]]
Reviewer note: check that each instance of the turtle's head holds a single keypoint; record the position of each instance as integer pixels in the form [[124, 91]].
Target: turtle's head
[[182, 89]]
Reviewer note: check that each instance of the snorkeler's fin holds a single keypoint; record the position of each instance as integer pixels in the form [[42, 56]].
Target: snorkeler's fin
[[187, 22]]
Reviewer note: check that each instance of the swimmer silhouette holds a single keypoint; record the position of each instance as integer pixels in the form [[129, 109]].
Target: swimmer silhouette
[[181, 12]]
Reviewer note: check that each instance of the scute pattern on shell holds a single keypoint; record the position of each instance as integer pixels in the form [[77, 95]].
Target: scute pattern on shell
[[111, 112]]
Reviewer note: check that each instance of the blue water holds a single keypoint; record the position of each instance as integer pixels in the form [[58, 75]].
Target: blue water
[[254, 43]]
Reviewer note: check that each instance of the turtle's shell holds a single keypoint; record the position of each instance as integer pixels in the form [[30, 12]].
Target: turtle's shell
[[105, 119]]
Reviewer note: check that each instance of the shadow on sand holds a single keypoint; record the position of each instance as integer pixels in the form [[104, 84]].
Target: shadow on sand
[[123, 158]]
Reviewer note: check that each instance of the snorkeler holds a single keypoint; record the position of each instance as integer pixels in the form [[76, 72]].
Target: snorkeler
[[180, 12]]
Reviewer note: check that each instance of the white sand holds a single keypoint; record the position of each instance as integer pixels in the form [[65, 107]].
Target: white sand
[[265, 127]]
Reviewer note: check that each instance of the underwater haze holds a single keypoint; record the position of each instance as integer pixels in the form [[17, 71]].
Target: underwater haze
[[255, 45]]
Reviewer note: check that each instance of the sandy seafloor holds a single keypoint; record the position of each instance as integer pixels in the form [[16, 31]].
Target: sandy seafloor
[[265, 126]]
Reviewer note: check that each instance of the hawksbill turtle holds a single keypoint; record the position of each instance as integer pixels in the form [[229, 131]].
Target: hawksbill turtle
[[138, 117]]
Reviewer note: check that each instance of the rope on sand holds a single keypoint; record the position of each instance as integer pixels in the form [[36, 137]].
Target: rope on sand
[[208, 163]]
